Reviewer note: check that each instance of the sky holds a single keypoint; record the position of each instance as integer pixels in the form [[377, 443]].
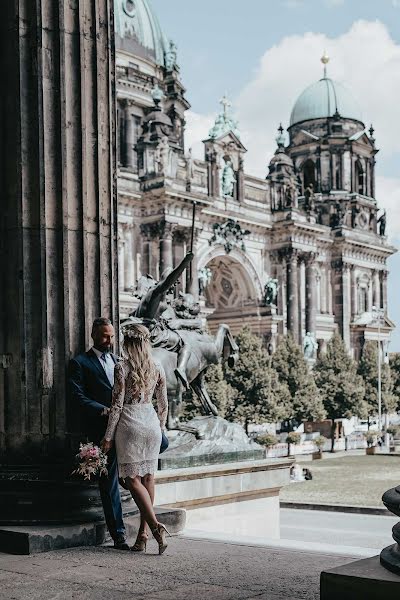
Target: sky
[[263, 53]]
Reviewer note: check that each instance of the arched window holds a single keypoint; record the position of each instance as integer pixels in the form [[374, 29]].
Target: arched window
[[308, 174], [360, 178]]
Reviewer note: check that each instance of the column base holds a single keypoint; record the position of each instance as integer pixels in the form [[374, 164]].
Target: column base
[[43, 538]]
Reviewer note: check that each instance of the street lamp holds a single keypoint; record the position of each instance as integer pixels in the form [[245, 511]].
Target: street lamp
[[378, 314]]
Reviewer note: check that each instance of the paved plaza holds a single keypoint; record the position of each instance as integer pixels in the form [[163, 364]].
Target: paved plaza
[[195, 569]]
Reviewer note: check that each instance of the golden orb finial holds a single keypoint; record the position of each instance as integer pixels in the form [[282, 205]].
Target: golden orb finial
[[325, 60]]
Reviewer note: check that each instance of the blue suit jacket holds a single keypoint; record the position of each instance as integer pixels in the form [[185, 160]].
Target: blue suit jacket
[[90, 391]]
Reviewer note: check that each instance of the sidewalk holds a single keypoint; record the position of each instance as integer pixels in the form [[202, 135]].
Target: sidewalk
[[195, 569]]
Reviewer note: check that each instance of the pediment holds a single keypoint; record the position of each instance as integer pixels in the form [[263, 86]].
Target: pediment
[[228, 139]]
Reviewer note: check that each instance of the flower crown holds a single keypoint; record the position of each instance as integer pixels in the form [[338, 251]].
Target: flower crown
[[132, 333]]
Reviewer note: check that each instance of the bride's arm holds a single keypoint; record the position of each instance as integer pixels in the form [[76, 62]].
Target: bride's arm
[[117, 402], [160, 394]]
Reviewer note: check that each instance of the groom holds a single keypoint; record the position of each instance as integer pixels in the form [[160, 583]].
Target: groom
[[91, 379]]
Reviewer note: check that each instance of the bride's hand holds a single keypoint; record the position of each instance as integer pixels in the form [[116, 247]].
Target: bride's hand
[[106, 445]]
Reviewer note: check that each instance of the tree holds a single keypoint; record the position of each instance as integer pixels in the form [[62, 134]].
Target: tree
[[341, 388], [368, 369], [259, 395], [220, 392], [395, 374], [294, 372]]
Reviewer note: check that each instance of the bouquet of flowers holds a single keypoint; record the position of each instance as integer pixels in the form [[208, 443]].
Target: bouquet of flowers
[[91, 460]]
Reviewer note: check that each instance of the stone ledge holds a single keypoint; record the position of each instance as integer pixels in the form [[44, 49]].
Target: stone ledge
[[221, 484], [361, 580], [36, 538], [232, 468]]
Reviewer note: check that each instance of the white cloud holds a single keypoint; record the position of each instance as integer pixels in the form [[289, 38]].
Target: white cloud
[[365, 58], [197, 128], [388, 196]]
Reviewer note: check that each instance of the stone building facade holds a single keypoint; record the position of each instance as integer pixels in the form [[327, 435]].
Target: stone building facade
[[312, 226]]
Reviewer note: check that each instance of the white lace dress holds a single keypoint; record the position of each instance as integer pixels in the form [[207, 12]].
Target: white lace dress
[[134, 424]]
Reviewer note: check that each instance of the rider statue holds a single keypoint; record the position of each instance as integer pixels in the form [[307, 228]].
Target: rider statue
[[164, 318]]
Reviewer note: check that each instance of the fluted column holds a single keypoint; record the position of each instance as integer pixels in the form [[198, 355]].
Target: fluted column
[[128, 262], [180, 238], [192, 276], [292, 293], [58, 231], [353, 291], [384, 275], [128, 142], [376, 293], [149, 232], [121, 259], [311, 289], [166, 259]]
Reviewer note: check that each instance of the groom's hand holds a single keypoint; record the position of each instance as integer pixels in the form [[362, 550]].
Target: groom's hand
[[106, 445]]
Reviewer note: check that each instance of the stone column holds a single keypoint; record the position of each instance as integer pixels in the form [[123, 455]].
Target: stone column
[[150, 259], [128, 262], [166, 259], [128, 142], [311, 288], [384, 275], [192, 278], [353, 277], [346, 309], [292, 293], [240, 181], [58, 227], [180, 238], [376, 289], [121, 258]]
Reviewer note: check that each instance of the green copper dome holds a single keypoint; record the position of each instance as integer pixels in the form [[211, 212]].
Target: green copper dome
[[323, 99], [136, 21]]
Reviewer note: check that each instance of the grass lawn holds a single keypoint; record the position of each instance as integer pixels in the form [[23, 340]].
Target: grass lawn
[[352, 480]]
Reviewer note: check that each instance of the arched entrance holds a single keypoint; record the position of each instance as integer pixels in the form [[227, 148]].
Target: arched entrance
[[232, 294]]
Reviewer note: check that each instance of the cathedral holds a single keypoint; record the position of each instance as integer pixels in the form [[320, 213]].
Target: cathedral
[[303, 250]]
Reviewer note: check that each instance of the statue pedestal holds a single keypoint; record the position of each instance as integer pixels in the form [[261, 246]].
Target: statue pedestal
[[221, 442], [366, 579]]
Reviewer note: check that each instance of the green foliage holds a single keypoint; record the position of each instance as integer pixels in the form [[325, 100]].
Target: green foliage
[[293, 438], [371, 437], [394, 430], [320, 442], [259, 395], [267, 439], [368, 369], [293, 370], [341, 388], [395, 374], [220, 392]]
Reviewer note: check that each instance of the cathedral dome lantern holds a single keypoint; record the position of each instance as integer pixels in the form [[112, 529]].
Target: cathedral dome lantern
[[324, 99]]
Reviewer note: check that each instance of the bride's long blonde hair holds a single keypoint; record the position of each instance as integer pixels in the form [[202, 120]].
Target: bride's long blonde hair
[[137, 352]]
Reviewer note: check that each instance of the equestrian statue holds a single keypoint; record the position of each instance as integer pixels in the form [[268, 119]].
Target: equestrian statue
[[180, 341]]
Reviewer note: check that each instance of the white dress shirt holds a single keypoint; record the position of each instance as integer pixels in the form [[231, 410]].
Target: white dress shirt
[[107, 363]]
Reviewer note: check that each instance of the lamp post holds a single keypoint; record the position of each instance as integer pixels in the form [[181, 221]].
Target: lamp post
[[378, 313]]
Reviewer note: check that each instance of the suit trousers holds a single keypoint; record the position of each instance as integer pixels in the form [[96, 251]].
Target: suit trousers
[[110, 497]]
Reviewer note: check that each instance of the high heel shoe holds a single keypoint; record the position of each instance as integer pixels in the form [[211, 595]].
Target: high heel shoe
[[141, 543], [160, 532]]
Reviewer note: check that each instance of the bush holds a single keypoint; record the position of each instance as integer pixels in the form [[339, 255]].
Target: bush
[[293, 438], [320, 442], [371, 437], [267, 440], [394, 430]]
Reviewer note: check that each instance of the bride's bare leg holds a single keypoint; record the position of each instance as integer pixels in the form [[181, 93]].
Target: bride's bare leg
[[148, 482], [143, 500]]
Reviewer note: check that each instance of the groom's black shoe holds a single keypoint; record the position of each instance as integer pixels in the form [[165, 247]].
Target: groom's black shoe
[[120, 543]]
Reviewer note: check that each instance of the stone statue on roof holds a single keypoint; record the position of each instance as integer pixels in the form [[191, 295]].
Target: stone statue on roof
[[228, 179], [224, 123], [170, 56]]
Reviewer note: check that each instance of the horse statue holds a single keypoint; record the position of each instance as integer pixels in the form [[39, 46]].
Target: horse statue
[[180, 342]]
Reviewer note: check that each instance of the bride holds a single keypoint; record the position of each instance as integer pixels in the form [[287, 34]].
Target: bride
[[136, 428]]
